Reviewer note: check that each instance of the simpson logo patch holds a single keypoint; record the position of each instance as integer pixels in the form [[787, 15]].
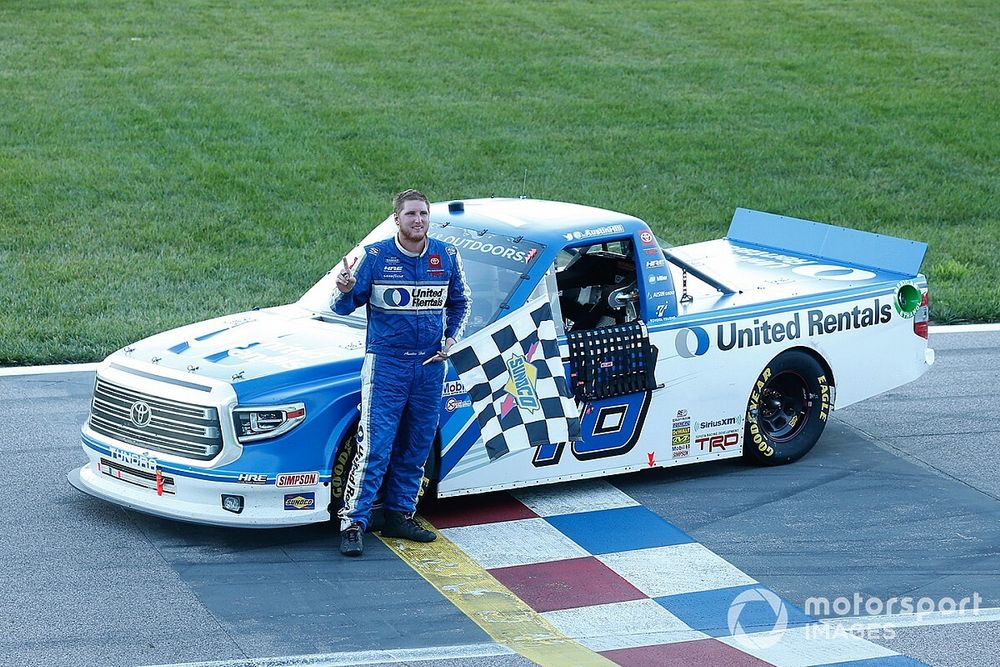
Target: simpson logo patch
[[297, 479]]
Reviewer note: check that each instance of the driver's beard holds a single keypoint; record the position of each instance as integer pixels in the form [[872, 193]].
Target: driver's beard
[[413, 238]]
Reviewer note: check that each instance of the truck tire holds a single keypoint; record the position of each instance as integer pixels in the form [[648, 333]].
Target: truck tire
[[343, 459], [788, 408]]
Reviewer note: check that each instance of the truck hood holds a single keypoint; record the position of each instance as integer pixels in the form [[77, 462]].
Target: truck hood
[[253, 344]]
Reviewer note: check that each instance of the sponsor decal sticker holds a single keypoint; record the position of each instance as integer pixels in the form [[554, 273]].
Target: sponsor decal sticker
[[647, 238], [453, 404], [680, 435], [655, 263], [140, 461], [495, 249], [412, 298], [300, 501], [297, 479], [691, 342], [453, 388], [252, 478], [521, 384], [695, 341], [716, 423], [717, 441], [907, 301], [597, 231]]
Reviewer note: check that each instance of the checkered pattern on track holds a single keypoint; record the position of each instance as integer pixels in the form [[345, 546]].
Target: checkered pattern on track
[[615, 577]]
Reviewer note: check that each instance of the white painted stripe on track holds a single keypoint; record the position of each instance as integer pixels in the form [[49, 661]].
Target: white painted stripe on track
[[584, 496], [807, 645], [675, 569], [43, 370], [989, 615], [617, 625], [512, 543], [409, 655]]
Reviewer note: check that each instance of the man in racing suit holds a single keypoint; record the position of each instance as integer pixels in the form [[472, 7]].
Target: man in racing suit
[[415, 293]]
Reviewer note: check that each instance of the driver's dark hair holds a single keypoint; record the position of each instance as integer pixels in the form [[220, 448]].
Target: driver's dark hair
[[405, 196]]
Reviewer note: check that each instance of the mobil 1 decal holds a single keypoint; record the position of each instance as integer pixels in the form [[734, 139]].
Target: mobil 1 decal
[[610, 427], [724, 336]]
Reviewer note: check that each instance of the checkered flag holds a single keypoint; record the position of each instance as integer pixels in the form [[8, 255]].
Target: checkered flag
[[513, 372]]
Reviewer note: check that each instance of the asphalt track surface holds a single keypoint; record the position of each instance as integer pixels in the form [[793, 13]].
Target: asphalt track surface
[[901, 497]]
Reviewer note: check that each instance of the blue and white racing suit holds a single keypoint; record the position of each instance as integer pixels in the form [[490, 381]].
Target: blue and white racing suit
[[413, 303]]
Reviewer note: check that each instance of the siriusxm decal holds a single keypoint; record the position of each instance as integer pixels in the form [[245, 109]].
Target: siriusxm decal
[[695, 341]]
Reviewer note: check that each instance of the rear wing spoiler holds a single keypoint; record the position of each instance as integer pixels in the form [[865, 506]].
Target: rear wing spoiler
[[838, 244]]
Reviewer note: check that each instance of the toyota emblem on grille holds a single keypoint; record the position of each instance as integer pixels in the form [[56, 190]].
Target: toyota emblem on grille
[[140, 414]]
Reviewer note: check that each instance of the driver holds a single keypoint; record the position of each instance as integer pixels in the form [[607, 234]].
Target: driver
[[415, 293]]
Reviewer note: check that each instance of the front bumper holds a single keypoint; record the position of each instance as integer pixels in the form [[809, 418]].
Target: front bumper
[[200, 501]]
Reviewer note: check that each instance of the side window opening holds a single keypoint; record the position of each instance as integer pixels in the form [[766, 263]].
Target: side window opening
[[597, 285]]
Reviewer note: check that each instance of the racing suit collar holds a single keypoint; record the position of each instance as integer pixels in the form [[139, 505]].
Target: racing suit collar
[[406, 252]]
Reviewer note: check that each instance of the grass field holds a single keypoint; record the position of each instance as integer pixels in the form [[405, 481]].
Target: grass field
[[163, 162]]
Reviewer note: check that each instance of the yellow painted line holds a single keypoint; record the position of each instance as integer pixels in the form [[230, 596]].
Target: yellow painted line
[[491, 605]]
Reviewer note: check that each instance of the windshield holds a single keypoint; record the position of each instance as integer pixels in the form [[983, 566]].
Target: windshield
[[493, 267]]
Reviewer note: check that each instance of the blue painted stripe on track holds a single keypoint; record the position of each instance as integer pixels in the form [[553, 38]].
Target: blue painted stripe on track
[[619, 529], [708, 611], [888, 661]]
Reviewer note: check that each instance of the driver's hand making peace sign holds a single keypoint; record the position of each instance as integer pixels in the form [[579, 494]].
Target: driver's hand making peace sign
[[346, 279]]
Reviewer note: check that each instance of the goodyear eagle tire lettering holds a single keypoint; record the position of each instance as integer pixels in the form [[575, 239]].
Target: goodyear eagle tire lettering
[[787, 410], [341, 470]]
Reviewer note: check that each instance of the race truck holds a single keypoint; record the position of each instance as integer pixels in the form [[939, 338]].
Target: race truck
[[734, 347]]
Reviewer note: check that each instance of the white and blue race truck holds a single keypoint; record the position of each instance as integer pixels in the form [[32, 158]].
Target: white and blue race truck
[[736, 347]]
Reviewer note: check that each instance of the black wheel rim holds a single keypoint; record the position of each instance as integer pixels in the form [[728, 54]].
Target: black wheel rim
[[784, 406]]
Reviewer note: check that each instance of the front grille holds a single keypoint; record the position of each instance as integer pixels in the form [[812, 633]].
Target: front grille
[[143, 478], [183, 429]]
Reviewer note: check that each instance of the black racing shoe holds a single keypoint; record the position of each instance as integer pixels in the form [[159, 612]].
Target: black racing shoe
[[350, 541], [400, 524]]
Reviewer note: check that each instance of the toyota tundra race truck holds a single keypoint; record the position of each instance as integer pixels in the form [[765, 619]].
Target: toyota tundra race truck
[[734, 347]]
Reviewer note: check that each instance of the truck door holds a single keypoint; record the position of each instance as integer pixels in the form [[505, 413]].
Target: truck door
[[611, 362]]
